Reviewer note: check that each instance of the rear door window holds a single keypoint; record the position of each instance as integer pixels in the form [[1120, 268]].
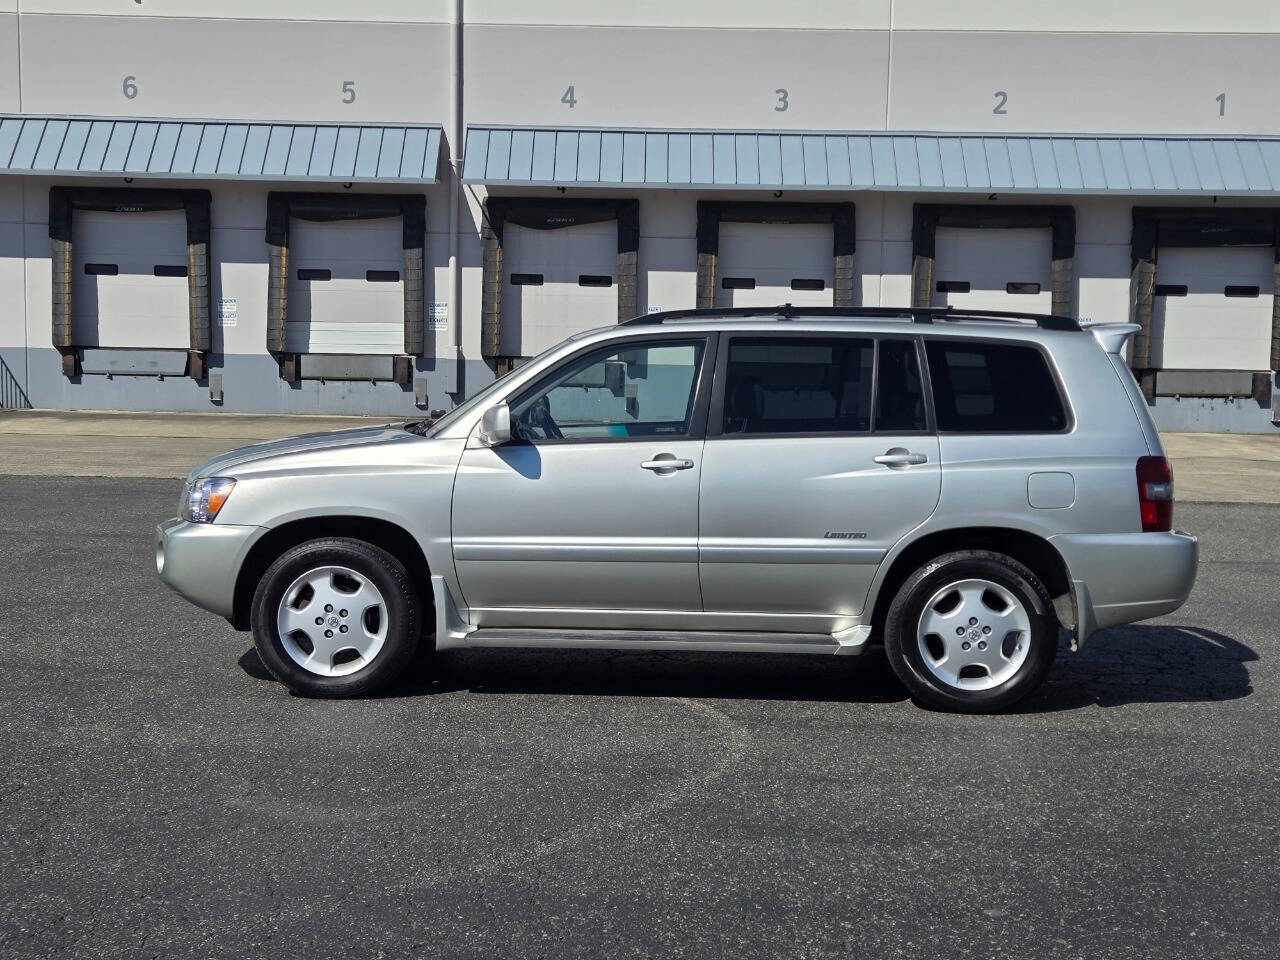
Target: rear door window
[[993, 388], [798, 385]]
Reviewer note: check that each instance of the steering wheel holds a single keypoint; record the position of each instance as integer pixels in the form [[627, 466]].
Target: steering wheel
[[538, 416]]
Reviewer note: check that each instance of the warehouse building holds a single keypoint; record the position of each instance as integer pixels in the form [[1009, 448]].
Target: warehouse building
[[299, 207]]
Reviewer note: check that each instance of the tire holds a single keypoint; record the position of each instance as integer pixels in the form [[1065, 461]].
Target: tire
[[370, 615], [956, 604]]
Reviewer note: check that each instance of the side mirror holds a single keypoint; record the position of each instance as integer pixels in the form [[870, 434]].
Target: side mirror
[[495, 426]]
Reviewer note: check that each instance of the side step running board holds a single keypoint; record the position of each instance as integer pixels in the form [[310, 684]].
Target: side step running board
[[847, 642]]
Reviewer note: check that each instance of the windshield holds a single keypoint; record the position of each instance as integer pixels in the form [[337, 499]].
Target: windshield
[[467, 406]]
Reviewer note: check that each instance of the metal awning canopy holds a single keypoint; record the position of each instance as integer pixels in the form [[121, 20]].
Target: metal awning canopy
[[219, 150], [1040, 164]]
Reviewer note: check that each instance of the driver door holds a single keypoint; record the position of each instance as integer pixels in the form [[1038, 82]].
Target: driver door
[[589, 517]]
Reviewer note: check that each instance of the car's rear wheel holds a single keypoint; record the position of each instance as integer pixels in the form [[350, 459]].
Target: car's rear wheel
[[971, 631], [336, 617]]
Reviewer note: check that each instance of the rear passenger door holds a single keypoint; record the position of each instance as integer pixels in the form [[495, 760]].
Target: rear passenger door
[[819, 457]]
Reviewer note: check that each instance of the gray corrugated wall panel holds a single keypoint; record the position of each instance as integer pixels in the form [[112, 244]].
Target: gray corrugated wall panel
[[1254, 167], [476, 155], [930, 160], [1114, 169], [655, 158], [861, 164], [633, 158], [73, 146], [298, 161], [392, 151], [431, 162], [1021, 166], [746, 158], [1229, 165], [499, 160], [1160, 164], [232, 148], [700, 158], [566, 165], [544, 155], [815, 162], [999, 170], [277, 155], [10, 128], [344, 153], [883, 170], [50, 145], [769, 156], [1045, 164], [367, 153], [184, 154], [588, 156], [837, 149], [792, 160], [1135, 163], [906, 166], [1090, 164], [413, 158], [678, 158], [28, 142], [1206, 166], [255, 149], [210, 148], [975, 163], [1184, 167], [320, 163], [95, 146], [724, 159], [610, 157], [1064, 158], [118, 146], [144, 142], [1270, 150]]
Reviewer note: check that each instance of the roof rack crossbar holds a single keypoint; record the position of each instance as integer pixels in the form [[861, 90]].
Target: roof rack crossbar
[[926, 315]]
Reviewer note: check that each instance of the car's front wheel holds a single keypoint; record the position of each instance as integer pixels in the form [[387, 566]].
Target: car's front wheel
[[971, 631], [336, 617]]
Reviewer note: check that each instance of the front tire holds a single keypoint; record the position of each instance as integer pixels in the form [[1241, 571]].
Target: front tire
[[336, 617], [972, 632]]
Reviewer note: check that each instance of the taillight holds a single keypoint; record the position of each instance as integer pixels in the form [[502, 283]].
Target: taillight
[[1155, 493]]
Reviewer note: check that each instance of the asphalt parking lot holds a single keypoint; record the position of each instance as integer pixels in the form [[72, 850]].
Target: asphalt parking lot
[[161, 797]]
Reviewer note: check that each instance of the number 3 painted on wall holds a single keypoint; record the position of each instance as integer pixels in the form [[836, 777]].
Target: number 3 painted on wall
[[783, 100]]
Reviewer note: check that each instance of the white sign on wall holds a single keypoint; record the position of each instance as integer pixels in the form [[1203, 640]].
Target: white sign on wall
[[228, 311], [439, 315]]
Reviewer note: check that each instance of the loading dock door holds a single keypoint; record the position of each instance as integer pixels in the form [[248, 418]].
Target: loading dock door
[[993, 269], [556, 283], [1213, 308], [765, 264], [129, 280], [346, 287]]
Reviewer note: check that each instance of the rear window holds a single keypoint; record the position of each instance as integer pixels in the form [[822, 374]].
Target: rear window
[[993, 388]]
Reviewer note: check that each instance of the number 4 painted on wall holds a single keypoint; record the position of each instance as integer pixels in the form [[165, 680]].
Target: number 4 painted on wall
[[569, 98]]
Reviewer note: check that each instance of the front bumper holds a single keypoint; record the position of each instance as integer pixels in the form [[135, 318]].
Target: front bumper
[[201, 560], [1126, 577]]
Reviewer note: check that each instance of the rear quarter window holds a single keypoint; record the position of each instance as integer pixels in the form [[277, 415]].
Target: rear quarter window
[[993, 388]]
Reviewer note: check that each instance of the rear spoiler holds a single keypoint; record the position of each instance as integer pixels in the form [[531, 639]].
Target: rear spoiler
[[1113, 336]]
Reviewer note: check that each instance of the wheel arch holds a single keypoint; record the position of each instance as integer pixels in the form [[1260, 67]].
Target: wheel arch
[[1030, 549], [391, 537]]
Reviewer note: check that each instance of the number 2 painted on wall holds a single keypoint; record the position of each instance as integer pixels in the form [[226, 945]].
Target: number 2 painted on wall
[[1001, 99]]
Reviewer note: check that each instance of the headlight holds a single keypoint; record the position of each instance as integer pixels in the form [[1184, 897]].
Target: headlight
[[207, 497]]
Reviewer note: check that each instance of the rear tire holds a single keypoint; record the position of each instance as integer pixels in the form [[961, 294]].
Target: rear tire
[[336, 617], [972, 632]]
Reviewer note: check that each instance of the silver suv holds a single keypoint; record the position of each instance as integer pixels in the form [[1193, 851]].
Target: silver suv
[[957, 485]]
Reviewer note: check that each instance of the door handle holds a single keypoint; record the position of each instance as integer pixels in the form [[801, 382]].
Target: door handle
[[900, 457], [665, 463]]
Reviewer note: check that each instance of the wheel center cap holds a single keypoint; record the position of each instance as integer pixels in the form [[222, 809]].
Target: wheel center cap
[[333, 621], [974, 633]]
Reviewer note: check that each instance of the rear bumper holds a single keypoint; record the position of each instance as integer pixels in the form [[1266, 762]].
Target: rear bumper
[[1122, 578], [201, 560]]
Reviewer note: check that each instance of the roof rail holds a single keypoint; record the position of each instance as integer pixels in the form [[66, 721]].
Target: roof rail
[[786, 311]]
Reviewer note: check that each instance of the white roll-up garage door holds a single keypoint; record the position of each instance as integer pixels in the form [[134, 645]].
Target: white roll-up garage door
[[765, 264], [993, 269], [130, 280], [346, 289], [1213, 308], [556, 283]]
